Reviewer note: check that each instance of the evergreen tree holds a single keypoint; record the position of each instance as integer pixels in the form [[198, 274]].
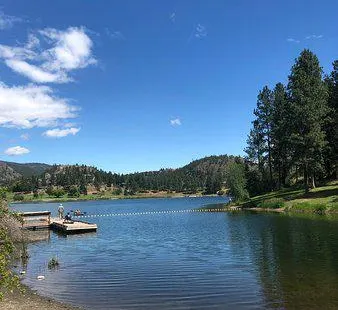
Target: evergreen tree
[[308, 98], [255, 146], [280, 133], [331, 128], [263, 113]]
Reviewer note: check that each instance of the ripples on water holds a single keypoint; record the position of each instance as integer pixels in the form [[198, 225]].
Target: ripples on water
[[189, 260]]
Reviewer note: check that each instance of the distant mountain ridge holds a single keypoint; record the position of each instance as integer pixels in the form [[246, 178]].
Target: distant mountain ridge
[[11, 171], [207, 175]]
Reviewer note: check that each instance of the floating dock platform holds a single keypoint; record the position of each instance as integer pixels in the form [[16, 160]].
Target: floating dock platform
[[43, 220], [72, 227]]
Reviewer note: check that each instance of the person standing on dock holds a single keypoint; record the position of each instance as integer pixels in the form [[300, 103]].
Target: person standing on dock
[[61, 211]]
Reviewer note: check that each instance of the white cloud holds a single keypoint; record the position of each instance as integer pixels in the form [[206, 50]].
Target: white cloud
[[72, 49], [16, 150], [117, 35], [25, 136], [9, 52], [292, 40], [60, 133], [35, 73], [68, 125], [200, 31], [175, 122], [32, 106], [172, 17], [7, 21], [68, 50], [314, 36], [32, 41]]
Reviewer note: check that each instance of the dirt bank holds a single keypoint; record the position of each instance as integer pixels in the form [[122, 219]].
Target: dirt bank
[[31, 300]]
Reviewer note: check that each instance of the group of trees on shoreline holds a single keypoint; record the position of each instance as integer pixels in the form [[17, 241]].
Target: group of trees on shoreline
[[294, 132]]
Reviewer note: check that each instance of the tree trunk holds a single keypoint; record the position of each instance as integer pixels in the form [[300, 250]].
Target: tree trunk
[[313, 181], [284, 175], [270, 163], [279, 176], [306, 178]]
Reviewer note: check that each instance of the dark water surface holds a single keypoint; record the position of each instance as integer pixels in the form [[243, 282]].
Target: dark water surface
[[233, 260]]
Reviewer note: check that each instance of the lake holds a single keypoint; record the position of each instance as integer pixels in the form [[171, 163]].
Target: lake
[[234, 260]]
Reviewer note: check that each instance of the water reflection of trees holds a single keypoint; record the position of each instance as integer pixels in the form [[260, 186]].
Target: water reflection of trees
[[296, 258]]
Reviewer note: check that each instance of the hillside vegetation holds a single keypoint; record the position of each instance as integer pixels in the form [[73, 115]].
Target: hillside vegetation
[[203, 176], [10, 171], [319, 200]]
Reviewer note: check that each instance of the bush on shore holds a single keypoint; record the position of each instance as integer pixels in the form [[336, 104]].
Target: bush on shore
[[309, 207], [10, 232], [273, 203]]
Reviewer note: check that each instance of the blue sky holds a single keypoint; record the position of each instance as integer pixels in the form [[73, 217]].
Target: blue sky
[[141, 85]]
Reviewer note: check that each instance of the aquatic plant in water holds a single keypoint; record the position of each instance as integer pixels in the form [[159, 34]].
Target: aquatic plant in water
[[53, 263]]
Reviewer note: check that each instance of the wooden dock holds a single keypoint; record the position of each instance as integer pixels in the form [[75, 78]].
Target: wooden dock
[[35, 220], [72, 227], [43, 220]]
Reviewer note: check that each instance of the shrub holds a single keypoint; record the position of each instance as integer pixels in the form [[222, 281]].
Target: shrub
[[249, 204], [10, 232], [117, 191], [18, 197], [3, 193], [73, 192], [59, 192], [273, 203], [309, 207]]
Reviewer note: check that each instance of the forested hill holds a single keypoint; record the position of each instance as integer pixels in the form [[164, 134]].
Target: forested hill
[[205, 175], [10, 171]]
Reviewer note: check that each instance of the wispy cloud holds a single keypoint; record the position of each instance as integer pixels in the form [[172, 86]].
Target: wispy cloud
[[116, 35], [67, 51], [200, 32], [172, 17], [314, 36], [8, 21], [175, 122], [60, 133], [16, 150], [25, 136], [292, 40]]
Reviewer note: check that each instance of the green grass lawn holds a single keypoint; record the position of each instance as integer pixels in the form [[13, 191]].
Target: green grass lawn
[[320, 199]]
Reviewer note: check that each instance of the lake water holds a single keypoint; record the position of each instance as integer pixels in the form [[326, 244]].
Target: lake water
[[238, 260]]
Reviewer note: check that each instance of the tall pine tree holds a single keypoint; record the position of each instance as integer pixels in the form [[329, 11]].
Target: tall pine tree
[[308, 98], [331, 128], [280, 133], [264, 114]]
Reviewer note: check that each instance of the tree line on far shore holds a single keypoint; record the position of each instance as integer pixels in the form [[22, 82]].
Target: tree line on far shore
[[206, 175]]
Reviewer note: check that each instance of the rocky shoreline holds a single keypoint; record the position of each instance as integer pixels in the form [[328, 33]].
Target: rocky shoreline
[[31, 300]]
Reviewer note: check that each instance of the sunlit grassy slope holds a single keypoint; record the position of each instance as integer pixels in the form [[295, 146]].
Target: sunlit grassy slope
[[323, 198]]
